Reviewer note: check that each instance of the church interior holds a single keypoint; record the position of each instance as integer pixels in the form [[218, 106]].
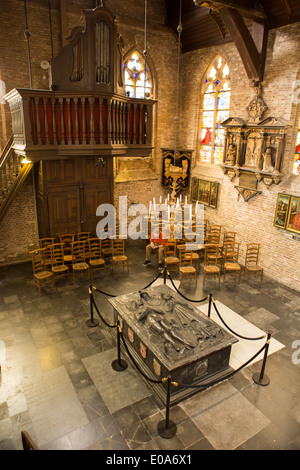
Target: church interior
[[149, 225]]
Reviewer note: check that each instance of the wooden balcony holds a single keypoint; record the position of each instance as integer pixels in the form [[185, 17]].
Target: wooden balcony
[[50, 124]]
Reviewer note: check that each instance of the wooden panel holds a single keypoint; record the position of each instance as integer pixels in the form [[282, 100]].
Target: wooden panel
[[64, 211], [93, 196], [92, 173], [61, 171]]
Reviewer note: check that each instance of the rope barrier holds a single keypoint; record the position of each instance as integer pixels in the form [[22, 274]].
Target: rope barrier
[[190, 300], [112, 295], [104, 321], [236, 334], [105, 293]]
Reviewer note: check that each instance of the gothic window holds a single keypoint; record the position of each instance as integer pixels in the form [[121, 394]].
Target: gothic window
[[215, 110], [138, 80], [296, 163]]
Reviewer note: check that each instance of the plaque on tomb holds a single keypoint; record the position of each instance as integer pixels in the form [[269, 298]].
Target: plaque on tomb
[[173, 338], [248, 180]]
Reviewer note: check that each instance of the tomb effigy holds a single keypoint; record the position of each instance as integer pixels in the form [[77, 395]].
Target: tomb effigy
[[168, 336]]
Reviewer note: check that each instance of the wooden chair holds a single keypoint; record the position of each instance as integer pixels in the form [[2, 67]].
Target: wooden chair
[[213, 238], [83, 236], [171, 258], [231, 256], [195, 256], [211, 261], [67, 240], [119, 253], [186, 268], [107, 248], [46, 243], [79, 258], [215, 229], [95, 253], [228, 245], [251, 260], [229, 237], [40, 272], [58, 266]]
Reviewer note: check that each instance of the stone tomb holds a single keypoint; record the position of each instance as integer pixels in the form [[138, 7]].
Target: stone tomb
[[168, 336]]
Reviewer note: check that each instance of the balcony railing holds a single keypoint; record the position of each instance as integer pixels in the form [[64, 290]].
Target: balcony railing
[[66, 124]]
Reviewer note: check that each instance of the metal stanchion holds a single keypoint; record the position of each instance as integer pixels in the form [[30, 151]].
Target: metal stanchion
[[91, 323], [209, 304], [167, 428], [259, 377], [119, 364], [165, 275]]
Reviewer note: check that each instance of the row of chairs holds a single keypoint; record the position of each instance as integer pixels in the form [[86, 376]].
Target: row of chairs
[[86, 256], [217, 258]]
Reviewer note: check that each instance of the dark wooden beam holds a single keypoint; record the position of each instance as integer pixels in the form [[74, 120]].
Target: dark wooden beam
[[252, 49], [245, 7], [220, 25]]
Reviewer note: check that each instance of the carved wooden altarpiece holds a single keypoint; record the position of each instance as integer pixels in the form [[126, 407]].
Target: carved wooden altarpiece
[[253, 150]]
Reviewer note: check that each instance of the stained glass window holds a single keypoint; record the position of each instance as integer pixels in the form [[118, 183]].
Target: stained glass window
[[296, 164], [216, 106], [138, 80]]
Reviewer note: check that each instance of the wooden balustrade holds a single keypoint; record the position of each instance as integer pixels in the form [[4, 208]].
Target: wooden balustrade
[[58, 121], [12, 173]]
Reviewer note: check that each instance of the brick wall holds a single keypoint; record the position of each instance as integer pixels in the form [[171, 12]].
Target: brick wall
[[253, 220], [18, 229]]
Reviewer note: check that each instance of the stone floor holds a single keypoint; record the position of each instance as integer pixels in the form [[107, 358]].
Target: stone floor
[[57, 382]]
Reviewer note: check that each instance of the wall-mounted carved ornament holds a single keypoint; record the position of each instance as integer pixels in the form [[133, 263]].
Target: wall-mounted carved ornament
[[254, 148]]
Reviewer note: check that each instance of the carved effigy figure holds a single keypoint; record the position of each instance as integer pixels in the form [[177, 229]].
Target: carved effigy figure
[[267, 161], [231, 155], [173, 321]]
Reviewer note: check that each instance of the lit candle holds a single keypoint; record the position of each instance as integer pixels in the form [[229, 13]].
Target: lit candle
[[160, 199], [180, 197], [168, 196], [196, 206]]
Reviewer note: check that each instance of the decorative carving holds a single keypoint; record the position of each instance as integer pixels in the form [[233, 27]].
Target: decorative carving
[[267, 161], [255, 146], [230, 158], [247, 193], [257, 107]]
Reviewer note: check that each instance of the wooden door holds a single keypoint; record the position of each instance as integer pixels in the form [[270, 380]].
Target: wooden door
[[96, 190], [64, 211]]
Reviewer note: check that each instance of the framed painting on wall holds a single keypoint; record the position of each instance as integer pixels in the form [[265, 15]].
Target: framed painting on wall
[[293, 218], [281, 213], [194, 189], [204, 192], [214, 189]]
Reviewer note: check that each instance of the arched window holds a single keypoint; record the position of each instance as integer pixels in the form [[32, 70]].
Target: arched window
[[296, 162], [138, 79], [215, 110]]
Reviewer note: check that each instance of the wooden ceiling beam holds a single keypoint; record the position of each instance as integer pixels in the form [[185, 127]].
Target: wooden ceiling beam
[[245, 7], [252, 49]]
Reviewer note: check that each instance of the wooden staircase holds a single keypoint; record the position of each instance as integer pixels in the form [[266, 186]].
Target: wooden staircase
[[12, 175]]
